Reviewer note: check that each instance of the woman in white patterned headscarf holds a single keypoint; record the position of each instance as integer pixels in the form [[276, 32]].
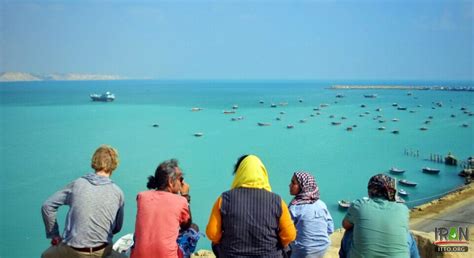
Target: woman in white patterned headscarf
[[312, 219]]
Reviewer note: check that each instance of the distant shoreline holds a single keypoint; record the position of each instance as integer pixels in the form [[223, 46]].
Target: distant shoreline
[[401, 87]]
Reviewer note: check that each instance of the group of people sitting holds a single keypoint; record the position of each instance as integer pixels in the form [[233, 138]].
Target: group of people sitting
[[249, 220]]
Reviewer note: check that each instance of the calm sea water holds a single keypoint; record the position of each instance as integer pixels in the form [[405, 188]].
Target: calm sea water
[[49, 131]]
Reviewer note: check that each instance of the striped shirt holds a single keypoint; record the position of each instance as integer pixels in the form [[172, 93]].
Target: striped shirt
[[250, 223]]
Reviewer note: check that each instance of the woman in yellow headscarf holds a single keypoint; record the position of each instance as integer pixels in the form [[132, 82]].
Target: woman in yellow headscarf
[[250, 220]]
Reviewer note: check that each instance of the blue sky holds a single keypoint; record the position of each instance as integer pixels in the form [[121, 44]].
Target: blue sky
[[343, 40]]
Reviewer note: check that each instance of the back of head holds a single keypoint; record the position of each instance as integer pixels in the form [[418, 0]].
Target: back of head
[[250, 173], [382, 186], [165, 171], [105, 159]]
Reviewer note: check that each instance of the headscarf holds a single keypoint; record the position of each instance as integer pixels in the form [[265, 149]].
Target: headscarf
[[382, 185], [309, 189], [251, 173]]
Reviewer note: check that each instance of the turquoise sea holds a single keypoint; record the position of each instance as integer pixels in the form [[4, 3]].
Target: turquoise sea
[[49, 131]]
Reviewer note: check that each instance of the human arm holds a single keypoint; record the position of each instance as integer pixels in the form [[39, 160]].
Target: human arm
[[185, 191], [214, 226], [119, 218], [329, 222], [186, 215], [287, 231], [49, 212], [346, 224]]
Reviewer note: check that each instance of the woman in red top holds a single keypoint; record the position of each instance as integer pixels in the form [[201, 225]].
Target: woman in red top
[[162, 213]]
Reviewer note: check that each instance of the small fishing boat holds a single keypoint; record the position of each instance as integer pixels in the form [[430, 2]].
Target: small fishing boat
[[237, 118], [335, 123], [300, 100], [282, 112], [407, 183], [402, 192], [323, 105], [395, 120], [349, 128], [104, 97], [263, 124], [394, 104], [229, 112], [396, 170], [339, 96], [261, 102], [370, 96], [156, 125], [278, 118], [398, 199], [381, 128], [378, 109], [290, 126], [430, 170], [198, 134], [362, 106], [401, 108], [424, 128], [465, 125], [195, 109], [235, 107], [273, 105], [344, 204], [302, 120], [395, 131]]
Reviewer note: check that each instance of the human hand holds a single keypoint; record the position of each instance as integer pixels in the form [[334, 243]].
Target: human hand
[[184, 188], [56, 240]]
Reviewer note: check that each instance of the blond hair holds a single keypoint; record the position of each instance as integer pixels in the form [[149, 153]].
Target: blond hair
[[105, 158]]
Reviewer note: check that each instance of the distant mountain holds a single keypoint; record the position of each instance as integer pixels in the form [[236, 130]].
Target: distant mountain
[[19, 76]]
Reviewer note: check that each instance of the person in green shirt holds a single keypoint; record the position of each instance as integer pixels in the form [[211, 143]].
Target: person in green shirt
[[378, 226]]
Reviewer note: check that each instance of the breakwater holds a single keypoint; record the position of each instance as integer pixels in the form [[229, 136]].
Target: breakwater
[[402, 87]]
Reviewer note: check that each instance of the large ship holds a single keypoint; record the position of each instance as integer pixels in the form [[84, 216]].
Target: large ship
[[105, 97]]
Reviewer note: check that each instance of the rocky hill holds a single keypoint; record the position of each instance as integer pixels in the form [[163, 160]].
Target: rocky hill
[[20, 76]]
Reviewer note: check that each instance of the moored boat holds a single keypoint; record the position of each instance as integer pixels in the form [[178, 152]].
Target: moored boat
[[104, 97], [263, 124], [198, 134], [398, 199], [402, 192], [370, 96], [407, 183], [290, 126], [344, 203], [228, 112], [237, 118], [430, 170], [396, 170]]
